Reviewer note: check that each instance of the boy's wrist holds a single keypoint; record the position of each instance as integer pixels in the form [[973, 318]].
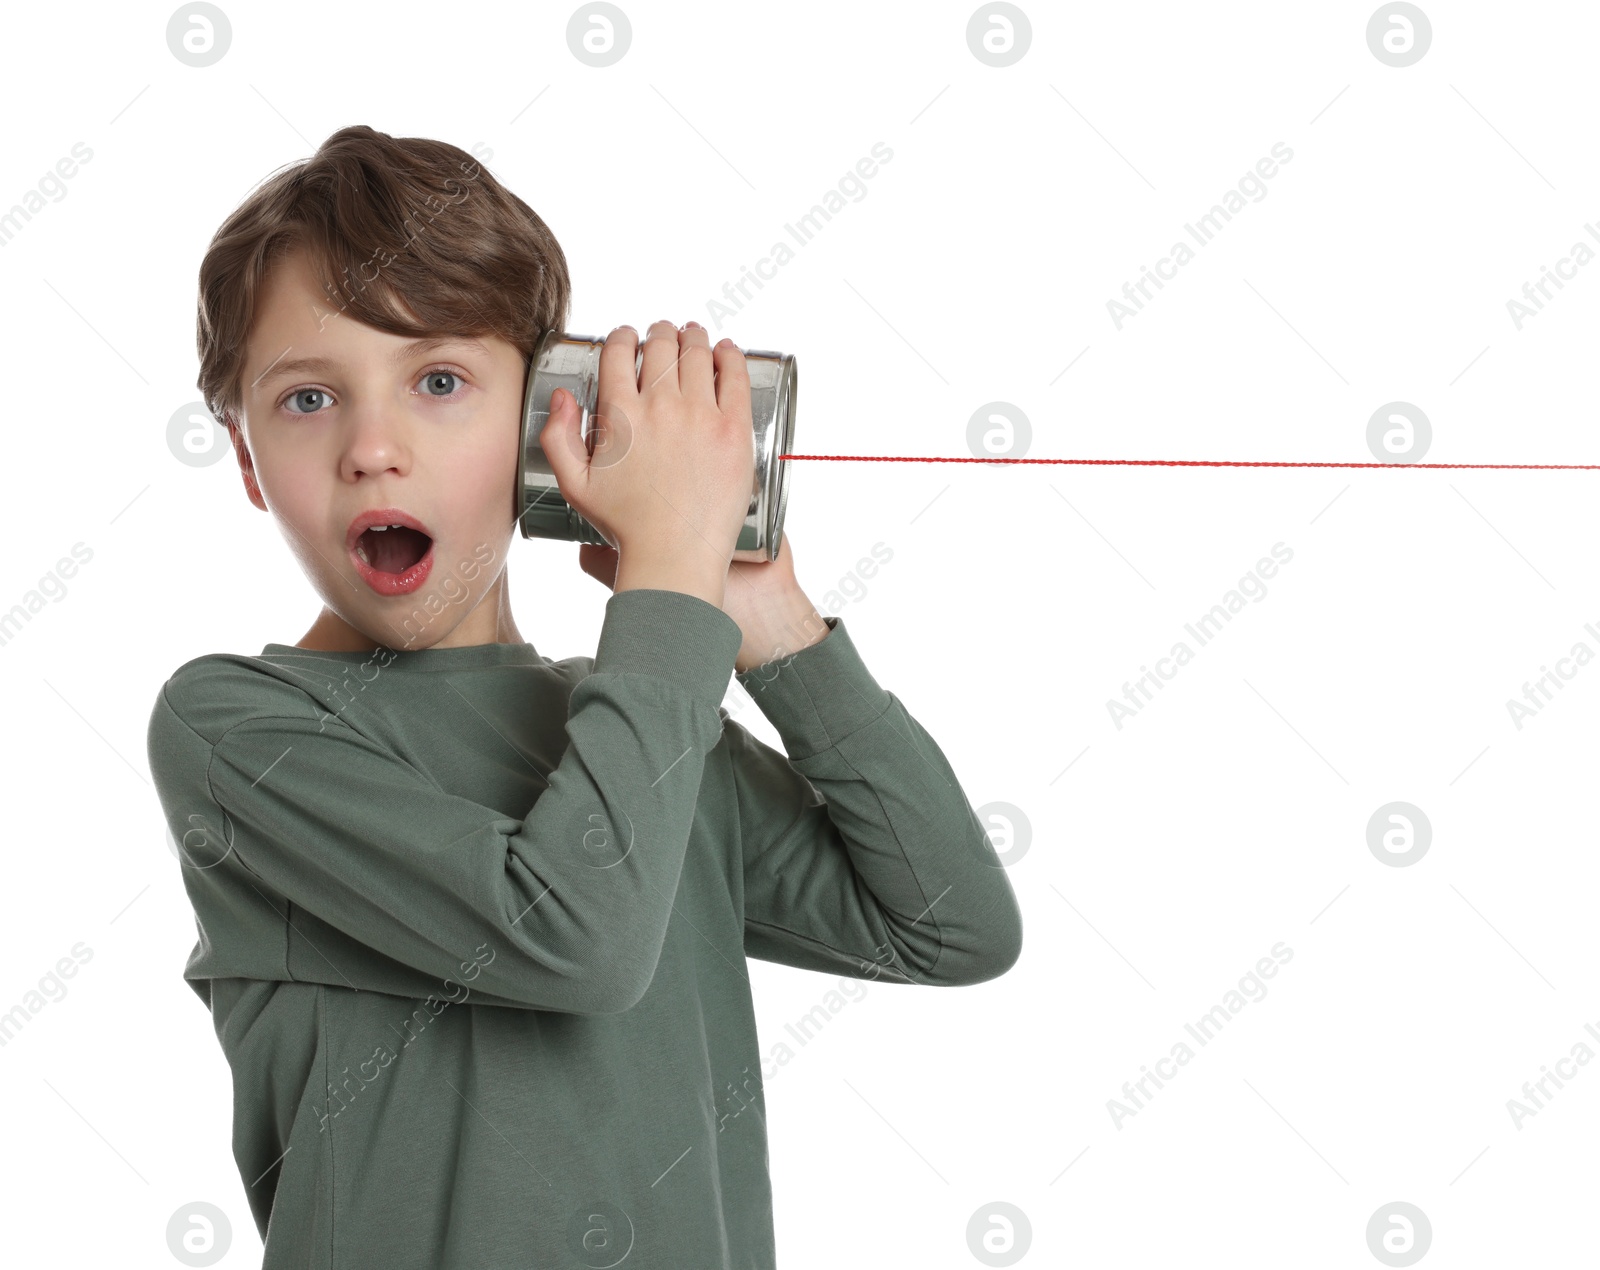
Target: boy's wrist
[[671, 573]]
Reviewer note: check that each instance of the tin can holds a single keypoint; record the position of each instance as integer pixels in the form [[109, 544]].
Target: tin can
[[562, 360]]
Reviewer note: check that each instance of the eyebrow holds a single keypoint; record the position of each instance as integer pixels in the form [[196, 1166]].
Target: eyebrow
[[321, 365]]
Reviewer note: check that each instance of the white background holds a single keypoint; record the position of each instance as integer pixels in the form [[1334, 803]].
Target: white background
[[1163, 859]]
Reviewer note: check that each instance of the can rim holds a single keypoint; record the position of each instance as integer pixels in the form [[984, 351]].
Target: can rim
[[778, 474], [530, 379]]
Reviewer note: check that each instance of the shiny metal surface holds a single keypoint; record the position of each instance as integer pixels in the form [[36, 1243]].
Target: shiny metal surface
[[564, 360]]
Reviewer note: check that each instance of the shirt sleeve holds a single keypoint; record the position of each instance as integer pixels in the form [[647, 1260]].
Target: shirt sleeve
[[565, 910], [862, 856]]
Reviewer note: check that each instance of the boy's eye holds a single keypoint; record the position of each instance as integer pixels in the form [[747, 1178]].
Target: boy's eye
[[435, 383], [299, 397], [431, 382]]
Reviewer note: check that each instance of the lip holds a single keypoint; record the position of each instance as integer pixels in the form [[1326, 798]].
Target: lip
[[389, 583]]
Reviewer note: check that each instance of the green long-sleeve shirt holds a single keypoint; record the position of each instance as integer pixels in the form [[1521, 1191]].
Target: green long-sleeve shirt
[[473, 927]]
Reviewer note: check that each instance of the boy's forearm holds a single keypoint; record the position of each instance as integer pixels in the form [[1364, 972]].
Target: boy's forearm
[[894, 857], [395, 883]]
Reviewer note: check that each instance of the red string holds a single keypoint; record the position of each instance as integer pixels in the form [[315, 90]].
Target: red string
[[917, 458]]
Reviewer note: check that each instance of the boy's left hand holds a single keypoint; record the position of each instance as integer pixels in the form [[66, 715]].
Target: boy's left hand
[[762, 596]]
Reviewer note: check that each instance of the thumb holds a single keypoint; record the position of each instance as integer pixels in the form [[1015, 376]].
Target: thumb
[[599, 562], [562, 445]]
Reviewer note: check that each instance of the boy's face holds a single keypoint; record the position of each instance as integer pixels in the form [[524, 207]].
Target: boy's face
[[431, 433]]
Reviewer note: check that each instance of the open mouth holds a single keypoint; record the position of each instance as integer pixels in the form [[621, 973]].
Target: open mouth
[[392, 549], [393, 559]]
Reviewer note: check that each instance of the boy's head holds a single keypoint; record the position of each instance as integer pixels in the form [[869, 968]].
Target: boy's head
[[316, 297]]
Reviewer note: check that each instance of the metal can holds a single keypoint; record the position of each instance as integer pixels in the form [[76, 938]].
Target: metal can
[[562, 360]]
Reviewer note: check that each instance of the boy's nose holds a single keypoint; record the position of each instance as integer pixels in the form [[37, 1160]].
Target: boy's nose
[[374, 444]]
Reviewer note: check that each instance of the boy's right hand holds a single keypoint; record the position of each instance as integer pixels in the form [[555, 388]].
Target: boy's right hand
[[672, 470]]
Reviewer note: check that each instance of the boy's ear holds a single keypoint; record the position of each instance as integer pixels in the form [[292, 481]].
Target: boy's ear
[[246, 466]]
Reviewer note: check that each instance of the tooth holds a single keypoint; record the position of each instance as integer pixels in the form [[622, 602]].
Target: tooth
[[378, 529], [362, 552]]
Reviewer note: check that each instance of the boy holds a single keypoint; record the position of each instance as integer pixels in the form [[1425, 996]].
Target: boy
[[473, 923]]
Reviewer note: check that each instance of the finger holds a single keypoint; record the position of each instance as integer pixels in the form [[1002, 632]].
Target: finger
[[617, 391], [696, 366], [617, 382], [733, 379], [660, 358]]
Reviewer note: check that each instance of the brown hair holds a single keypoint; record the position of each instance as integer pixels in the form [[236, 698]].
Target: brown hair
[[383, 219]]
